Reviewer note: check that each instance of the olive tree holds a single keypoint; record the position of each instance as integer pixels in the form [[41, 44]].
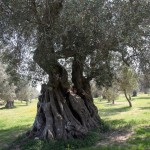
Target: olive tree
[[81, 35], [127, 81], [112, 92], [7, 89], [26, 93]]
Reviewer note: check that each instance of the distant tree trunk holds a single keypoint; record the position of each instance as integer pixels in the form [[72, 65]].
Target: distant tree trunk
[[103, 96], [113, 101], [9, 104], [108, 100], [134, 93], [128, 98], [27, 102]]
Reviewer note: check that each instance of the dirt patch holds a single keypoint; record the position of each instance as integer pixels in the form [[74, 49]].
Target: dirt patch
[[120, 103], [115, 137]]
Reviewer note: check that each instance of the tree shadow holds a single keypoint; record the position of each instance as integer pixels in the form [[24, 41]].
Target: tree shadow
[[121, 124], [144, 130], [141, 137], [144, 108], [8, 135], [148, 98], [113, 111], [2, 108]]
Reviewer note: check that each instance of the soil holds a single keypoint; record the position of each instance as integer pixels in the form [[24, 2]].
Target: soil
[[115, 137]]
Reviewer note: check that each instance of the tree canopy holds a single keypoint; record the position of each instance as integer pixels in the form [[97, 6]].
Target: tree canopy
[[91, 31]]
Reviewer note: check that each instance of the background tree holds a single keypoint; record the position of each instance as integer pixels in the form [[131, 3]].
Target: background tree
[[111, 93], [96, 91], [127, 81], [7, 90], [26, 93], [144, 81], [86, 34]]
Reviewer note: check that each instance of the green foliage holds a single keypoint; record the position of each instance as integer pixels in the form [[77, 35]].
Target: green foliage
[[26, 92], [110, 93], [105, 126], [96, 92], [127, 79], [96, 30], [7, 89]]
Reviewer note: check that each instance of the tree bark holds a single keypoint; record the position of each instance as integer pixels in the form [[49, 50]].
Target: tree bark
[[62, 114], [83, 87]]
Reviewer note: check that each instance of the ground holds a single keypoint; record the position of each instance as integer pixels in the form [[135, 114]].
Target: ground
[[129, 127], [14, 122]]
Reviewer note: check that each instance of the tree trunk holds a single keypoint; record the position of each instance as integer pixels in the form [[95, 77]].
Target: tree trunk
[[134, 93], [113, 101], [83, 87], [128, 98], [62, 114], [27, 102], [9, 104]]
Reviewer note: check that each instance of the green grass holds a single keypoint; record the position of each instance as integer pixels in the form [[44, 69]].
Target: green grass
[[139, 113], [14, 122], [119, 117]]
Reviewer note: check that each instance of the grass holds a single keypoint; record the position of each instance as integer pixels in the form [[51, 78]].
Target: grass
[[135, 120], [119, 117], [139, 113], [14, 122]]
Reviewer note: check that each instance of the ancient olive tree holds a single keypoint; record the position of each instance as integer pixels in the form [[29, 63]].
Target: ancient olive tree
[[7, 89], [81, 35]]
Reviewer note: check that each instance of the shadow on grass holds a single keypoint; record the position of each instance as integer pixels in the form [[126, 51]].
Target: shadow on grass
[[8, 135], [113, 111], [16, 129], [120, 124], [148, 98], [141, 137], [2, 108], [144, 130], [25, 143], [144, 108]]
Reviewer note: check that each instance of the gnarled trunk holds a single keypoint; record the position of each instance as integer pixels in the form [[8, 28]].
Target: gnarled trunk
[[61, 113]]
